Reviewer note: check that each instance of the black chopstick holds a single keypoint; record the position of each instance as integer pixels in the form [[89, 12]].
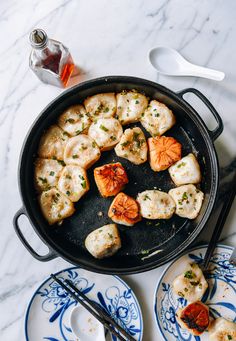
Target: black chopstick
[[95, 311], [100, 311], [220, 224]]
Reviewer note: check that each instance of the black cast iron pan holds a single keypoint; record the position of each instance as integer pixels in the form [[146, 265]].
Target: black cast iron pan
[[145, 238]]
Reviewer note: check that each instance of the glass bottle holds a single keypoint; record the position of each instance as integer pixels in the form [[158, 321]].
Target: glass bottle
[[50, 60]]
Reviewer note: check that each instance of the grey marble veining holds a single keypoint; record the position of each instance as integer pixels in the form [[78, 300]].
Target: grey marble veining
[[105, 38]]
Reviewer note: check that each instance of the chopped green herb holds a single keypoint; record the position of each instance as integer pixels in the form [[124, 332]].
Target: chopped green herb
[[157, 115], [148, 223], [113, 138], [200, 285], [103, 128], [185, 289], [81, 177], [61, 162], [194, 283], [106, 109], [136, 102], [110, 235], [94, 144], [83, 184], [119, 107], [185, 196], [189, 274], [99, 108], [55, 199], [70, 120], [181, 164], [84, 147], [52, 173], [68, 192], [146, 197], [180, 294], [157, 224], [135, 136], [144, 252], [44, 180], [229, 337], [54, 158], [125, 144], [74, 156]]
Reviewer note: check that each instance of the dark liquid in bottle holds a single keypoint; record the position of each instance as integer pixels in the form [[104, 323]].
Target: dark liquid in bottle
[[52, 62]]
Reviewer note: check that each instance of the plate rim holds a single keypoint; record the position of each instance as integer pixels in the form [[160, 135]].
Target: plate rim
[[26, 315], [167, 268]]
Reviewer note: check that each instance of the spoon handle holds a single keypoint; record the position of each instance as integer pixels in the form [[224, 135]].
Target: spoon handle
[[200, 71]]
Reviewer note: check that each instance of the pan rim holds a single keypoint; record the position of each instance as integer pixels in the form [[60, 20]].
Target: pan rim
[[203, 131]]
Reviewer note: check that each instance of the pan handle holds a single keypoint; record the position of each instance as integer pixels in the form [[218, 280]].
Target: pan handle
[[218, 130], [45, 258]]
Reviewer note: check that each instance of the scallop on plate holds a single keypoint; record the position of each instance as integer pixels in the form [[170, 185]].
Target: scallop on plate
[[219, 296], [49, 312]]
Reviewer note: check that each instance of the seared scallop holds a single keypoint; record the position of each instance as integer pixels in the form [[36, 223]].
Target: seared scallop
[[55, 206], [157, 118], [124, 210], [194, 317], [106, 132], [46, 173], [101, 106], [191, 284], [132, 146], [188, 200], [52, 143], [222, 330], [163, 152], [130, 106], [81, 150], [73, 182], [156, 204], [104, 241], [74, 120], [186, 171], [110, 179]]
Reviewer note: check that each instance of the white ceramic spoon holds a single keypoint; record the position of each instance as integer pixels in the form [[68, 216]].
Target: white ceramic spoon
[[169, 62], [86, 327]]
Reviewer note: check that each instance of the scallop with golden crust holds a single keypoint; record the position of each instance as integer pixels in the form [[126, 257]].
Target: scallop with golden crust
[[163, 152], [110, 179], [124, 210]]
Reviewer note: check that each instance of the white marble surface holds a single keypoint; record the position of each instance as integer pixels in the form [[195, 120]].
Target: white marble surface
[[105, 38]]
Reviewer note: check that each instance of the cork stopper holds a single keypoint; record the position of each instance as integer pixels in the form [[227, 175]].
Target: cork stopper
[[38, 38]]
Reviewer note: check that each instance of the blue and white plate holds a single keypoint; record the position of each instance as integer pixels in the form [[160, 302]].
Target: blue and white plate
[[220, 296], [48, 313]]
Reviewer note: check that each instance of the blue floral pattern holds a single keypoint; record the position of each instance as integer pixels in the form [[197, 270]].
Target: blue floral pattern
[[221, 278], [56, 304]]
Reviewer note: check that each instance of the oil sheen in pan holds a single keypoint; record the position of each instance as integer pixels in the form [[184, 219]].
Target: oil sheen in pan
[[91, 211]]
